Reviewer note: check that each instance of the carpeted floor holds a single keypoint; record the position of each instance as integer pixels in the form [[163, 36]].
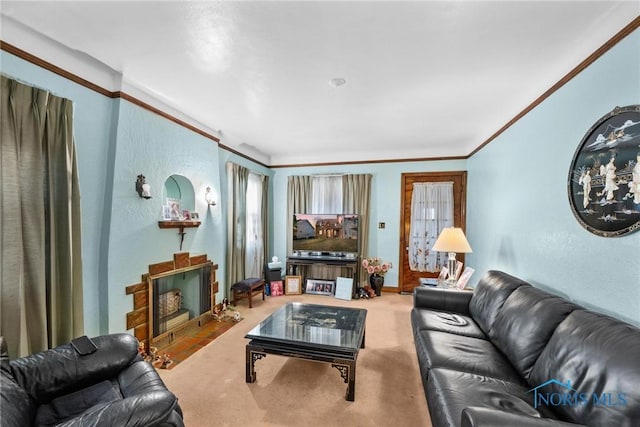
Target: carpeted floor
[[212, 390]]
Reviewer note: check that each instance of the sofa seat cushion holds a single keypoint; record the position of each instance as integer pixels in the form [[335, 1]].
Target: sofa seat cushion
[[449, 392], [443, 350], [452, 323], [73, 404]]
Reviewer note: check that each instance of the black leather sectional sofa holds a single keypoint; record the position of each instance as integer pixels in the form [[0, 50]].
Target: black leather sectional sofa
[[510, 354], [111, 387]]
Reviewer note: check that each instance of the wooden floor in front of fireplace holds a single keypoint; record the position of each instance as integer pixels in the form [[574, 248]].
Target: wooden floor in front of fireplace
[[190, 341]]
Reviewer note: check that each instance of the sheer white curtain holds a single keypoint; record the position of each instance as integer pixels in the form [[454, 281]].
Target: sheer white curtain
[[326, 194], [431, 211], [326, 197], [254, 233]]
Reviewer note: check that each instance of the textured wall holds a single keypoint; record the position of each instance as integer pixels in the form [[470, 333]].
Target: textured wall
[[519, 217], [157, 148]]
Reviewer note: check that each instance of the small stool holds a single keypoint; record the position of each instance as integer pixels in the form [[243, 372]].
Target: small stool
[[247, 288]]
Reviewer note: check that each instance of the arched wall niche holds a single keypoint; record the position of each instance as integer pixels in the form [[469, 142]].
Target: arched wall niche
[[178, 189]]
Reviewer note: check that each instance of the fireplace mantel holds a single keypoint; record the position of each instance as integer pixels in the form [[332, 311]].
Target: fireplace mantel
[[141, 318]]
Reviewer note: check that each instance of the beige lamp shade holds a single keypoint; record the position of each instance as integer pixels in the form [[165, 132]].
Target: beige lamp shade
[[452, 239]]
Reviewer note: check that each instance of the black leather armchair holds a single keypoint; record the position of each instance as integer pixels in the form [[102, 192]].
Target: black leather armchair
[[111, 387]]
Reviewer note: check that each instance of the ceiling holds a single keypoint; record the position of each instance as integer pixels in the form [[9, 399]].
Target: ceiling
[[424, 79]]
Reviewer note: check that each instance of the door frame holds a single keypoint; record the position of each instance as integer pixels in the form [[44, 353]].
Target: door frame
[[428, 177]]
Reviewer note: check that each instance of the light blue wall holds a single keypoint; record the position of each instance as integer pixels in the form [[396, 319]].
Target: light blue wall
[[519, 218], [386, 194]]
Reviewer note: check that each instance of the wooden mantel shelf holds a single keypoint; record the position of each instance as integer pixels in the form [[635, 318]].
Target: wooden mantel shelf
[[178, 224]]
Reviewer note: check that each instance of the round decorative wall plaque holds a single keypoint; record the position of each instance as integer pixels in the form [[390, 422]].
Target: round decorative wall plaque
[[604, 179]]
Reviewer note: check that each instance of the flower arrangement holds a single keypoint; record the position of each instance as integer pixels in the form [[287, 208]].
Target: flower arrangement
[[376, 266]]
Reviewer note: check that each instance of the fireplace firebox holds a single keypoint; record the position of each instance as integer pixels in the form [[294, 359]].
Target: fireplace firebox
[[173, 297]]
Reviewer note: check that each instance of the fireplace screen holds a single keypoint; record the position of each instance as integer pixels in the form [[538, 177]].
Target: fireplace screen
[[180, 297]]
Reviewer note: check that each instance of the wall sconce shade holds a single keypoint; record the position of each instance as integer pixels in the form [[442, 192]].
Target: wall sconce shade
[[208, 196], [143, 189], [452, 240]]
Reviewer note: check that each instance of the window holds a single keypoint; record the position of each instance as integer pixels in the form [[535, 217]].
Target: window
[[326, 194], [431, 211]]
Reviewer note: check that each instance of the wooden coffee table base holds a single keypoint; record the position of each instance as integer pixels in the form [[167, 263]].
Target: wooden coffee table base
[[344, 363]]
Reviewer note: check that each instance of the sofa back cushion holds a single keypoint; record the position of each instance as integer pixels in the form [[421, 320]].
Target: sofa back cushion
[[489, 295], [525, 323], [61, 370], [589, 372], [16, 407]]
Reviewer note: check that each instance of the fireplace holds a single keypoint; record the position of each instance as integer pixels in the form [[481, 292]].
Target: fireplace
[[172, 298]]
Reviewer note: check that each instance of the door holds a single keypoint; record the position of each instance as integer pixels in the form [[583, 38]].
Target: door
[[407, 278]]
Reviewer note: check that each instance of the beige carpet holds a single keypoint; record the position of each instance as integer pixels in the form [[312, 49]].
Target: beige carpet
[[212, 390]]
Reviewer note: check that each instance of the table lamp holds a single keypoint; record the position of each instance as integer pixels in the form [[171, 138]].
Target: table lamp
[[452, 240]]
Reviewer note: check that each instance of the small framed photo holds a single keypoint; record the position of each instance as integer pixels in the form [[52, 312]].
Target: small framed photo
[[166, 212], [277, 288], [458, 271], [344, 288], [320, 287], [464, 278], [195, 216], [293, 285], [444, 272], [174, 209], [186, 215]]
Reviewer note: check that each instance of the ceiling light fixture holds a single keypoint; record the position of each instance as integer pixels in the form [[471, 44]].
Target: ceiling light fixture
[[337, 81]]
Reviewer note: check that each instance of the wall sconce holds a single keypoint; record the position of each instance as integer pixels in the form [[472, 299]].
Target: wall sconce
[[143, 189], [208, 196]]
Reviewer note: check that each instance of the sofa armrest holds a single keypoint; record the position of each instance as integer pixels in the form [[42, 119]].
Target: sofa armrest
[[140, 378], [60, 370], [452, 300], [488, 417], [147, 409]]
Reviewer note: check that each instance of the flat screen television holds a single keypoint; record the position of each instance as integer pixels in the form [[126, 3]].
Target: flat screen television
[[325, 234]]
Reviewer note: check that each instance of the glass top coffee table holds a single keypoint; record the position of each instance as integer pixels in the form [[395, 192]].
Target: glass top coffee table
[[320, 333]]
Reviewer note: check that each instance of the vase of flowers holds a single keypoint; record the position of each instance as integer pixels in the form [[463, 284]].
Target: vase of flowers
[[376, 269]]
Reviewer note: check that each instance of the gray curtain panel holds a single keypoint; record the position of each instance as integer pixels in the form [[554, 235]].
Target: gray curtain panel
[[298, 201], [265, 218], [356, 198], [41, 266], [237, 180]]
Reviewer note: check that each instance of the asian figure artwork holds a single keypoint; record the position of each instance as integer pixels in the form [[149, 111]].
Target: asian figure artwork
[[604, 179]]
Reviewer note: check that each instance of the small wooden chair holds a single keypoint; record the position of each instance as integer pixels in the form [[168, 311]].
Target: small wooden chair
[[247, 288]]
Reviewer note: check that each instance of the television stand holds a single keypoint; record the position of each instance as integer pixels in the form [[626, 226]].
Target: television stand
[[295, 262]]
